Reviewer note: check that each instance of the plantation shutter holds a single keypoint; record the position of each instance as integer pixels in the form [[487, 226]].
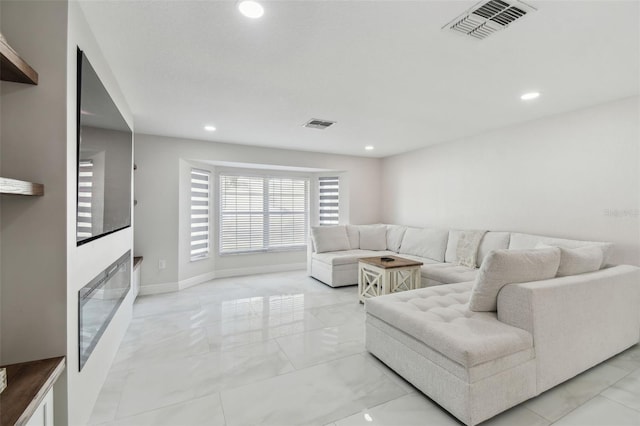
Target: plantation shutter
[[85, 197], [200, 180], [262, 213], [287, 212], [329, 202], [241, 213]]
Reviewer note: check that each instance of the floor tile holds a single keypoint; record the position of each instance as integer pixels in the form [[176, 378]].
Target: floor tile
[[161, 304], [560, 400], [106, 406], [601, 411], [198, 412], [395, 377], [224, 335], [626, 391], [161, 384], [408, 410], [344, 313], [518, 415], [628, 360], [322, 345], [179, 345], [316, 395]]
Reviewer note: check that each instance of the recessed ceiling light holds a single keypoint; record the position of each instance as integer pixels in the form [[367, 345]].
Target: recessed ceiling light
[[369, 148], [529, 96], [251, 9], [210, 128]]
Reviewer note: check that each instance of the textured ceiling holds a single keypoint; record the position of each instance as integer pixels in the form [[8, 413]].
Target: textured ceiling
[[385, 71]]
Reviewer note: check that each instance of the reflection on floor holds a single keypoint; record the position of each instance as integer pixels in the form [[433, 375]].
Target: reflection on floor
[[285, 349]]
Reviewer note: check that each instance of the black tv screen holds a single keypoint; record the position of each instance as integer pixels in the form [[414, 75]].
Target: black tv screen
[[104, 159]]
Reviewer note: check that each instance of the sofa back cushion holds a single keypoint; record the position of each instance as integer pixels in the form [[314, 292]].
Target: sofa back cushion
[[490, 241], [330, 238], [502, 267], [425, 242], [395, 233], [529, 241], [578, 260], [353, 233], [373, 237]]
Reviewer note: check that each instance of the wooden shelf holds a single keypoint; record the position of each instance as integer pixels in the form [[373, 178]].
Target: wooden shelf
[[13, 67], [20, 187], [27, 384]]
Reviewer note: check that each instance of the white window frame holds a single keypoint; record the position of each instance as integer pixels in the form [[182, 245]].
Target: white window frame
[[202, 205], [266, 177]]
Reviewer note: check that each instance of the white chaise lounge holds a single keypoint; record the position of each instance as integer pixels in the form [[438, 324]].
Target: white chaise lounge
[[542, 324]]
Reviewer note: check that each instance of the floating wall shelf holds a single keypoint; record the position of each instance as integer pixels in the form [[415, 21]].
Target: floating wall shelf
[[20, 187], [13, 67]]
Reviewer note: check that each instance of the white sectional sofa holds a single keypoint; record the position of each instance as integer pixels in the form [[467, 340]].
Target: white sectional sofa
[[479, 341], [435, 248]]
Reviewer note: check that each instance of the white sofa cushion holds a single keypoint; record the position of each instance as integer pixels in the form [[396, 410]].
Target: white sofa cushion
[[395, 233], [502, 267], [426, 242], [451, 254], [447, 273], [439, 317], [492, 241], [353, 233], [347, 257], [330, 238], [578, 260], [529, 241], [373, 237]]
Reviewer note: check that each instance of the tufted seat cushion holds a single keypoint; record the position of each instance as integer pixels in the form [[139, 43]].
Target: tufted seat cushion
[[439, 318]]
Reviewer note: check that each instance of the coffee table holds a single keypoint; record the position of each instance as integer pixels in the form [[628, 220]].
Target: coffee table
[[377, 277]]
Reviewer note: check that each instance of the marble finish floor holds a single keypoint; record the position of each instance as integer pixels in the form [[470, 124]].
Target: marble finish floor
[[285, 349]]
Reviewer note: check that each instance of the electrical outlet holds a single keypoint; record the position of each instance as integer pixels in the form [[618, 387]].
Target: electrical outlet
[[162, 264]]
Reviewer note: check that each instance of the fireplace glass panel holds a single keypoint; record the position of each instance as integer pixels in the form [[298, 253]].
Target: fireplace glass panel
[[99, 301]]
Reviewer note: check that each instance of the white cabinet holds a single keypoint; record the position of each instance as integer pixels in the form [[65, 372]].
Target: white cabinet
[[43, 416]]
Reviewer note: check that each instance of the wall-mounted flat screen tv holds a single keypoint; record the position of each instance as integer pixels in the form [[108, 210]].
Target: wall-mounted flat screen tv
[[105, 143]]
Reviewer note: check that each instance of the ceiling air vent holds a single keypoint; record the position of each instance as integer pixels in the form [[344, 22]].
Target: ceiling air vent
[[487, 17], [314, 123]]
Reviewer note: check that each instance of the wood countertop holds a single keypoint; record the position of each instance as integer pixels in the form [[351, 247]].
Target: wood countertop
[[397, 262], [27, 385]]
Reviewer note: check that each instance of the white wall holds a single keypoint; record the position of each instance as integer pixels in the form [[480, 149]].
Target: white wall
[[163, 163], [86, 261], [572, 175]]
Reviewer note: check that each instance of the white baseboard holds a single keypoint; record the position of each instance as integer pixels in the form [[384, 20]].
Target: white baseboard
[[158, 288], [223, 273], [198, 279], [226, 273]]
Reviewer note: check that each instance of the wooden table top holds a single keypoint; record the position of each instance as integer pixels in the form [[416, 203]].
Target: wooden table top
[[398, 262], [27, 385]]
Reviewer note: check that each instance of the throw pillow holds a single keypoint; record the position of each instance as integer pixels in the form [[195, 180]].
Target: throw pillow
[[467, 248], [580, 260], [502, 267], [373, 237], [330, 238]]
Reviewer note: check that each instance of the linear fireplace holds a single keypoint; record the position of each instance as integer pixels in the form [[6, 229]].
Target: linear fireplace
[[98, 301]]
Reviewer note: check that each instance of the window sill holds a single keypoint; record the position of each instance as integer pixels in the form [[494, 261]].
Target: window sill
[[266, 251], [197, 259]]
